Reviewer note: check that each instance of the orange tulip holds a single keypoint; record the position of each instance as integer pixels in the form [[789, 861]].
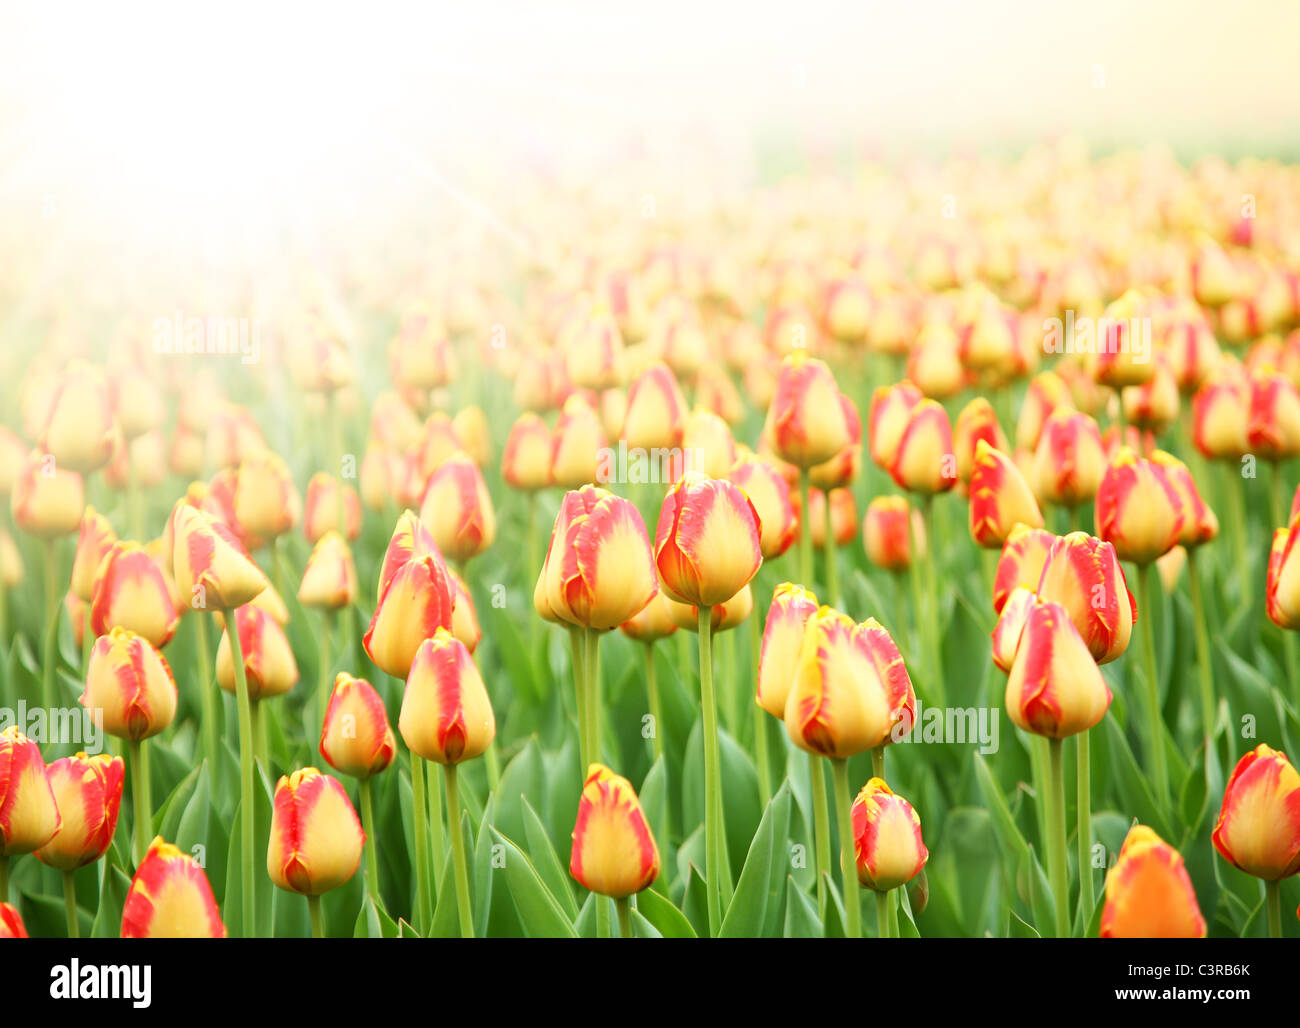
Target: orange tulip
[[1152, 406], [1069, 460], [464, 618], [1273, 426], [29, 813], [792, 608], [593, 350], [1200, 525], [410, 540], [1282, 584], [472, 429], [1021, 563], [131, 683], [809, 420], [924, 461], [653, 622], [446, 714], [210, 565], [886, 535], [886, 838], [356, 738], [891, 408], [1220, 416], [977, 422], [708, 444], [1000, 498], [1047, 393], [1011, 626], [170, 898], [458, 510], [416, 602], [1138, 510], [770, 494], [1258, 829], [1148, 892], [269, 664], [420, 356], [88, 793], [316, 837], [1083, 575], [130, 591], [11, 923], [1054, 687], [614, 852], [707, 546]]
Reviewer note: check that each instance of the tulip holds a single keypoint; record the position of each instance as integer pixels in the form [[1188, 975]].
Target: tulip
[[1220, 416], [438, 442], [891, 408], [722, 616], [1138, 509], [759, 480], [977, 421], [924, 461], [1010, 627], [1119, 360], [809, 420], [1273, 422], [170, 898], [47, 500], [593, 351], [324, 506], [707, 443], [891, 531], [886, 836], [29, 813], [1069, 460], [211, 566], [1047, 393], [1190, 347], [131, 592], [471, 427], [842, 517], [656, 411], [1152, 406], [1000, 498], [1148, 892], [614, 852], [1021, 564], [410, 540], [715, 391], [651, 623], [707, 544], [1084, 576], [80, 430], [578, 442], [356, 738], [416, 602], [1282, 588], [11, 922], [269, 665], [934, 362], [792, 608], [266, 503], [1199, 525], [131, 684], [96, 538], [464, 619], [526, 462], [458, 510], [329, 580]]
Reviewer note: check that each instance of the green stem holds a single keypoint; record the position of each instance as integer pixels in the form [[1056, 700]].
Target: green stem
[[932, 605], [652, 692], [49, 656], [848, 853], [579, 660], [4, 878], [1155, 735], [209, 694], [492, 761], [882, 915], [317, 918], [624, 917], [1277, 497], [1083, 800], [436, 842], [832, 565], [805, 533], [421, 805], [1056, 840], [1203, 667], [821, 829], [712, 770], [878, 763], [372, 840], [592, 663], [70, 904], [142, 814], [458, 853], [246, 743], [1272, 896], [88, 642], [323, 681]]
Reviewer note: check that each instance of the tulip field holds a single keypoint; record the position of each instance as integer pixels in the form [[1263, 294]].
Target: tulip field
[[806, 564]]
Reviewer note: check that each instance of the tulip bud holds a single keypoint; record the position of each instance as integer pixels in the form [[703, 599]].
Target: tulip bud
[[95, 539], [80, 430], [131, 592], [132, 684], [210, 565], [1000, 498], [707, 544], [446, 714], [1119, 358], [316, 837], [722, 616], [471, 426], [330, 579], [577, 445], [614, 852], [170, 898], [1148, 892], [88, 793], [1200, 525], [887, 536], [1220, 415], [1152, 406], [1138, 510], [438, 442], [1258, 829], [977, 421], [1021, 563], [850, 688], [526, 463], [356, 738], [891, 408], [1011, 626], [708, 444], [29, 813], [410, 540], [886, 838], [269, 665], [593, 350], [1047, 393], [1190, 347], [383, 475], [266, 502], [1083, 575], [47, 500], [924, 461], [321, 512], [600, 570], [464, 618], [458, 510], [770, 494], [1282, 584], [715, 391], [656, 410], [653, 622], [420, 356], [792, 608], [1273, 427], [1054, 687], [809, 420], [1069, 460], [844, 517], [11, 923]]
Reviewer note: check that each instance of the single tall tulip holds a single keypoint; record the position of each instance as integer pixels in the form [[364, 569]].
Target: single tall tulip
[[170, 898], [1148, 892]]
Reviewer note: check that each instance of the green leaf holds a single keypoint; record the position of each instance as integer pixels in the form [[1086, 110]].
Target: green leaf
[[763, 875], [801, 920], [670, 922], [642, 928], [547, 863], [539, 911]]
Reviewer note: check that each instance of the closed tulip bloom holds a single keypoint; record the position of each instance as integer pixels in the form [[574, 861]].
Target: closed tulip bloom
[[329, 580], [886, 838], [458, 510], [11, 923], [885, 533], [218, 499], [210, 565], [977, 421], [1220, 416], [1148, 892], [1138, 510], [446, 714], [707, 543], [269, 665], [792, 608], [1054, 687], [614, 852], [1190, 347], [722, 616], [600, 569], [1200, 525], [1021, 563], [842, 469], [356, 737], [1258, 829], [1273, 426], [770, 494], [321, 512], [613, 409], [316, 837], [656, 410], [1282, 584], [417, 602], [410, 539], [1047, 393], [526, 462], [29, 813], [652, 622], [1152, 406], [715, 391], [475, 436], [47, 500], [80, 430], [266, 501], [844, 517], [1011, 626], [1000, 498], [170, 898], [1083, 575], [708, 443], [934, 362], [891, 408], [88, 793], [850, 687], [809, 420], [1069, 460], [577, 444], [131, 683], [383, 474], [1118, 359], [95, 539], [924, 461], [464, 618], [233, 434], [130, 591], [439, 441]]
